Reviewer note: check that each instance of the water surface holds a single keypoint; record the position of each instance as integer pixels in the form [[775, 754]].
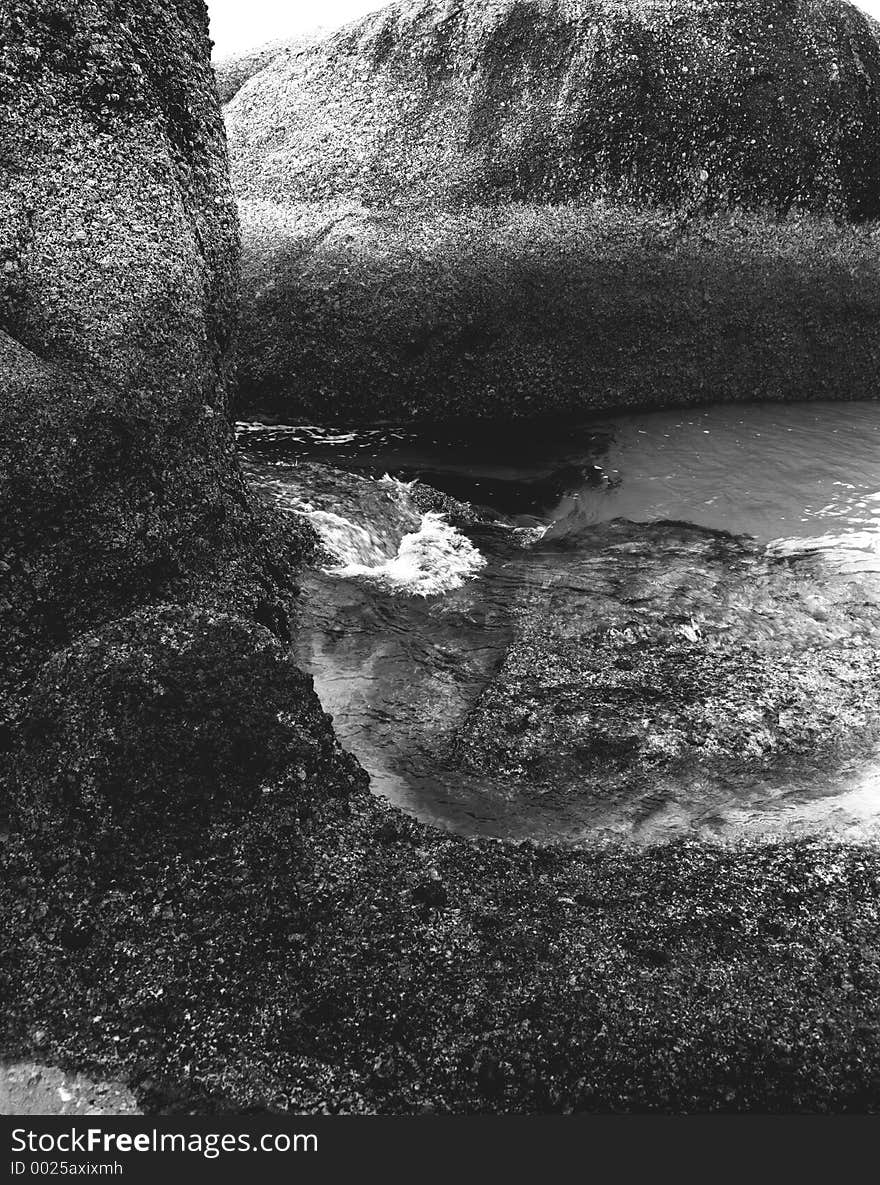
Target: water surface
[[411, 614]]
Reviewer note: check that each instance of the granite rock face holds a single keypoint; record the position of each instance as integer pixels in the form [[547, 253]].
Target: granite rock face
[[144, 599], [197, 898], [119, 254], [234, 70], [755, 103], [148, 701], [119, 250], [499, 209], [524, 311]]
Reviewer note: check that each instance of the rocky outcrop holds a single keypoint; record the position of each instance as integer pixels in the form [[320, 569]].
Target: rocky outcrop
[[197, 897], [234, 70], [145, 600], [119, 251], [758, 103], [494, 209]]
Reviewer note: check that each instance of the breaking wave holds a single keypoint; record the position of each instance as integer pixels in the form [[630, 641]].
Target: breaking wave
[[434, 559], [381, 536]]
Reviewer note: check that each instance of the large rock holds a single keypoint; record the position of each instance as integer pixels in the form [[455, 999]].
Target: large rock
[[469, 208], [146, 693], [195, 900], [234, 70], [757, 103], [118, 242], [118, 268]]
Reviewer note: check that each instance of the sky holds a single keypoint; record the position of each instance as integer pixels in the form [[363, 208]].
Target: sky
[[243, 24]]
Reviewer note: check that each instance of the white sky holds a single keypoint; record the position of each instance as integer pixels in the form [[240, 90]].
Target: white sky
[[243, 24]]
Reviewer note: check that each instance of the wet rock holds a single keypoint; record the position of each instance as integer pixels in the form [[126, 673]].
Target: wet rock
[[150, 730], [678, 656], [120, 488], [429, 500], [27, 1088], [501, 210]]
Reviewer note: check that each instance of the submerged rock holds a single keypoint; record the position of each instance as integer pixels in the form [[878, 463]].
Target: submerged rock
[[502, 209], [673, 672]]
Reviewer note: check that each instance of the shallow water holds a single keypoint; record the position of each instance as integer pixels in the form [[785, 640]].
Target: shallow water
[[793, 475], [411, 615]]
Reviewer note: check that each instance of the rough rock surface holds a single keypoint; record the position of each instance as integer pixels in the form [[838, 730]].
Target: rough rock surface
[[144, 599], [357, 314], [674, 653], [234, 70], [406, 253], [197, 897], [119, 253], [753, 103], [27, 1088]]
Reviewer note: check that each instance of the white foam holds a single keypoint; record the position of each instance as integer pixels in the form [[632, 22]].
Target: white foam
[[431, 559], [434, 559], [349, 542]]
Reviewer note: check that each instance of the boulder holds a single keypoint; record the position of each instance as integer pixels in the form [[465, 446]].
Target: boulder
[[149, 706], [201, 908], [234, 70], [145, 598], [27, 1088], [679, 677], [118, 270], [759, 103], [458, 208]]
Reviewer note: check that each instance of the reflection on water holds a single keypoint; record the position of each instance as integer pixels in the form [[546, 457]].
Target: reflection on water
[[403, 664], [796, 475]]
